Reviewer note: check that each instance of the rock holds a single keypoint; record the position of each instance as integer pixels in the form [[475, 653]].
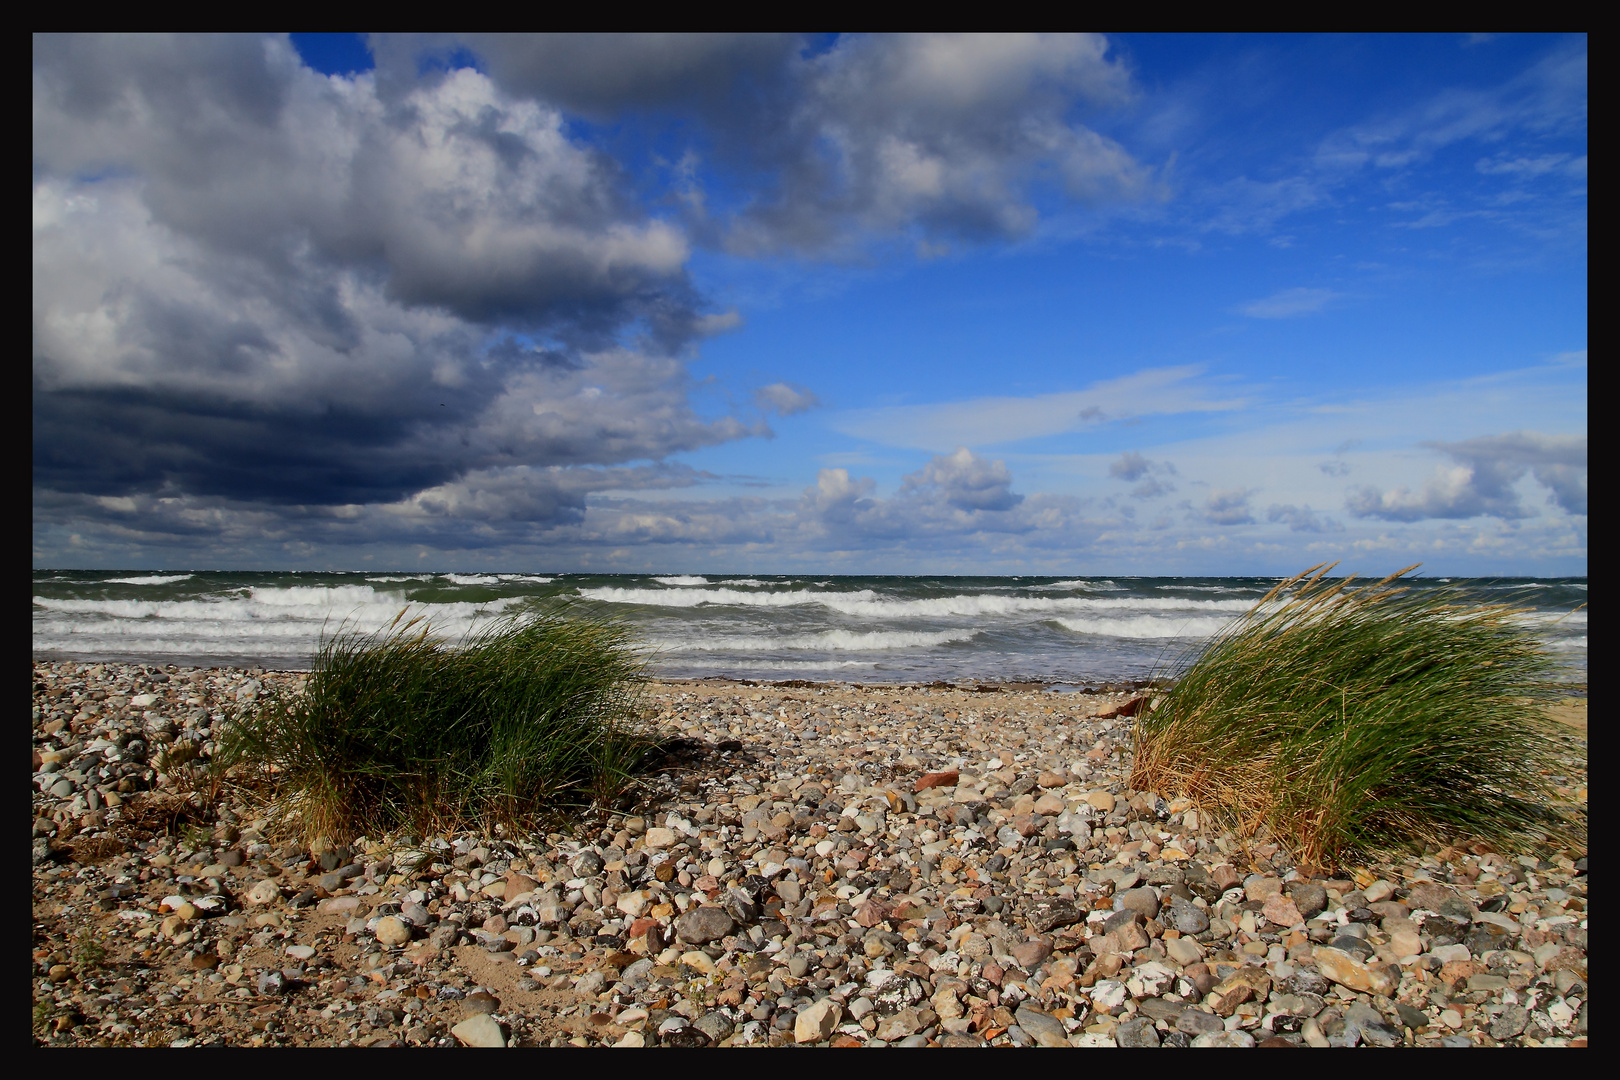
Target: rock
[[703, 925], [262, 892], [1188, 917], [1510, 1022], [393, 932], [1225, 1039], [1198, 1022], [1049, 805], [817, 1022], [1245, 984], [1184, 951], [1366, 1023], [480, 1030], [1281, 911], [659, 838], [1050, 779], [1045, 1029], [1030, 954], [715, 1025], [1136, 1033], [1309, 898], [1346, 970], [517, 885], [1144, 900], [903, 1023], [1101, 800], [1429, 896], [481, 1002], [1378, 891], [937, 779], [1261, 886]]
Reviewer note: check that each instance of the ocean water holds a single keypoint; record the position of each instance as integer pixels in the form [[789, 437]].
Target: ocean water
[[1072, 631]]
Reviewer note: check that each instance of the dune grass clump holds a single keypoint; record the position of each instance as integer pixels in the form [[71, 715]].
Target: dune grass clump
[[1351, 722], [399, 731]]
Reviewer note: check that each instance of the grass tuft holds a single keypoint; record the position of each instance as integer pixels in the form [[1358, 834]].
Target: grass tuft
[[1353, 722], [399, 731]]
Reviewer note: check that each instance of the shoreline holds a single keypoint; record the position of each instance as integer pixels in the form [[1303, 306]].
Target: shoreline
[[1033, 899]]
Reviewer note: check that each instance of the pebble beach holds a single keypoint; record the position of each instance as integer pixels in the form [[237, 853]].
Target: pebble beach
[[816, 864]]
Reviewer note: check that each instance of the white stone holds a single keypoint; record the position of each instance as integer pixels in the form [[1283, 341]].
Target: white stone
[[659, 839], [817, 1022], [480, 1030]]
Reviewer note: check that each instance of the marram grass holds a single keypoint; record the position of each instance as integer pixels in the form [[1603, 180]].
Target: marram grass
[[1350, 722], [399, 731]]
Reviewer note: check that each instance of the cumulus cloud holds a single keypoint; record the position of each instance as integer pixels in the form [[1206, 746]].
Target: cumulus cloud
[[870, 136], [1290, 303], [954, 495], [1482, 480], [1302, 518], [785, 399], [1227, 507], [254, 282], [965, 481], [1133, 466]]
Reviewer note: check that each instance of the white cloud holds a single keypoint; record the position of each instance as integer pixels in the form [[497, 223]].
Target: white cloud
[[1290, 303], [1482, 482], [785, 399], [1228, 506], [991, 421]]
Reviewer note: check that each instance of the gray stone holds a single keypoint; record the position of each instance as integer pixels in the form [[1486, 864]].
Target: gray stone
[[703, 925], [1510, 1023], [1136, 1033], [1187, 917], [1045, 1029], [1367, 1022], [1239, 1039], [715, 1025], [1197, 1022], [1308, 897]]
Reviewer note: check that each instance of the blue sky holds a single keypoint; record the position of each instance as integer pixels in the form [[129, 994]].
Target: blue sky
[[1072, 304]]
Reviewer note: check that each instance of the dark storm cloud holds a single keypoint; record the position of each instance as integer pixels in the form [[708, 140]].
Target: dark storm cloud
[[255, 282]]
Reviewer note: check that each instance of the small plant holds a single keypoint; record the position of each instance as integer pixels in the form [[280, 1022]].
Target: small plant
[[398, 730], [1349, 722], [88, 953]]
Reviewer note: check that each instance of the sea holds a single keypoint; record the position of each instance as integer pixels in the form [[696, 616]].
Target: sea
[[1066, 632]]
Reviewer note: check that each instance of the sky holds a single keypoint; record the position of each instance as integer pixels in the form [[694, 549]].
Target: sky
[[1006, 304]]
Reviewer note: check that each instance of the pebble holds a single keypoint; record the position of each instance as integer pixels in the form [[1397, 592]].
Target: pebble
[[479, 1030], [807, 887]]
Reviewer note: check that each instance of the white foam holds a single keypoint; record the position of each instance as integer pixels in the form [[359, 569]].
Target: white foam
[[474, 579], [159, 579], [536, 579], [1077, 584], [404, 577], [830, 640], [682, 579], [258, 621], [788, 665], [866, 603], [1146, 626], [752, 583]]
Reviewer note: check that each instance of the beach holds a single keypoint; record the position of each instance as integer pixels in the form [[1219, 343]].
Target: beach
[[955, 864]]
